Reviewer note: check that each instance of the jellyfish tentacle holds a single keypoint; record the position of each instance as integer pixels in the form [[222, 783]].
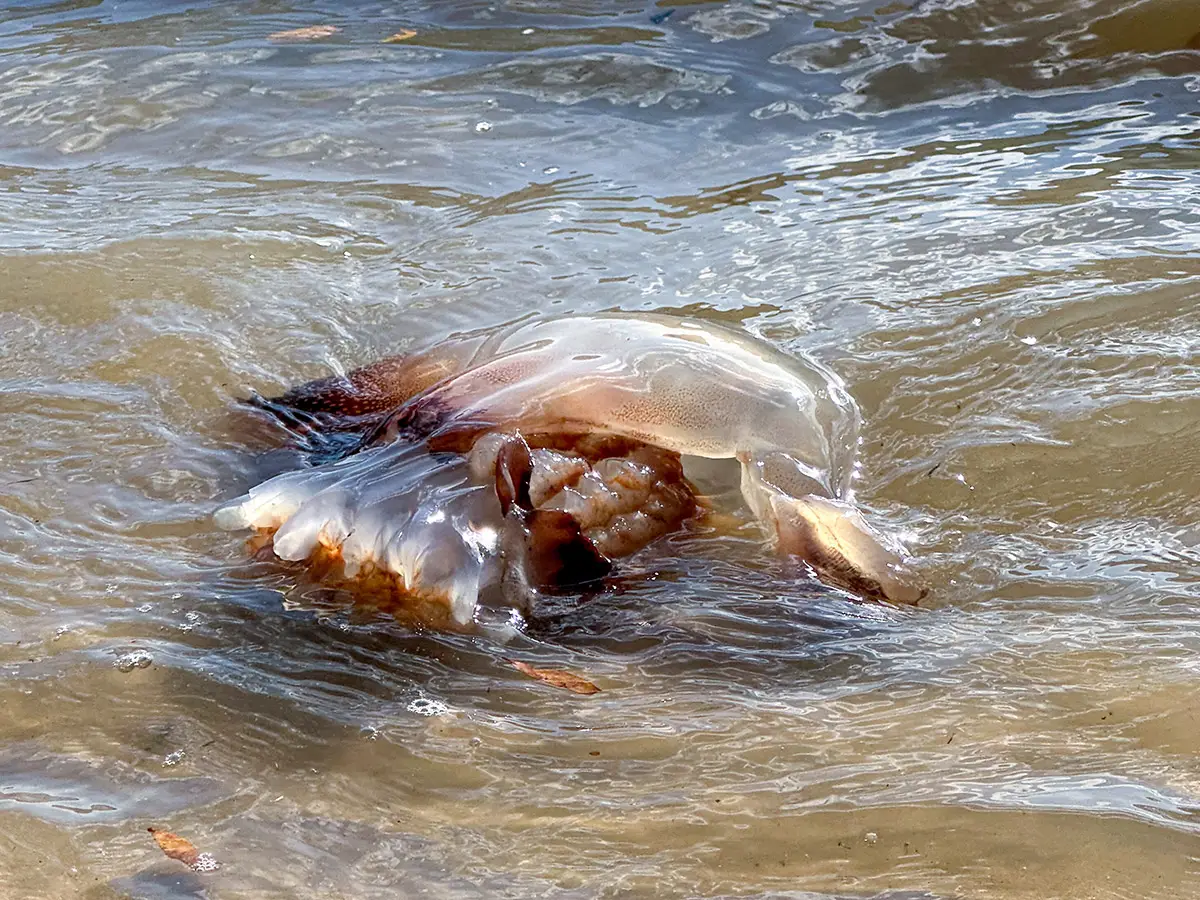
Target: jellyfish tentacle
[[829, 534]]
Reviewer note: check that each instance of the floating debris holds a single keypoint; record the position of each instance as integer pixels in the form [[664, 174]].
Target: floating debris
[[310, 33], [134, 659], [184, 851], [556, 678]]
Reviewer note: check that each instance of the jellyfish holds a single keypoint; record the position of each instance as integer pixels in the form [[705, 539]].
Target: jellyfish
[[530, 457]]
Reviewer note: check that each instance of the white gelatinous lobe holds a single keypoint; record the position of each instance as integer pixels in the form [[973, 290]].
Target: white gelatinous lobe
[[397, 509], [273, 502]]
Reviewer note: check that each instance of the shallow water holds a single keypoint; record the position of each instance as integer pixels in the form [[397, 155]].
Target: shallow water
[[982, 214]]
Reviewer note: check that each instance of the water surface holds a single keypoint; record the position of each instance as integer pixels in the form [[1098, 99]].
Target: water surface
[[983, 214]]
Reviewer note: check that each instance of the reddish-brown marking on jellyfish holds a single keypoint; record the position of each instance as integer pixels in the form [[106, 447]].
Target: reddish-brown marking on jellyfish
[[374, 588]]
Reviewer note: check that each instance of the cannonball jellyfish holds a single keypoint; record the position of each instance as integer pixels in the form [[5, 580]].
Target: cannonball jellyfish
[[529, 457]]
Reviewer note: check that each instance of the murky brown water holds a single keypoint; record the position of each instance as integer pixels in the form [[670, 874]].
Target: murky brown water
[[983, 214]]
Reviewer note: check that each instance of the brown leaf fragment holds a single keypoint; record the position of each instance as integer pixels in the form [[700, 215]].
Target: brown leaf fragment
[[556, 678], [402, 35], [310, 33], [180, 849]]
